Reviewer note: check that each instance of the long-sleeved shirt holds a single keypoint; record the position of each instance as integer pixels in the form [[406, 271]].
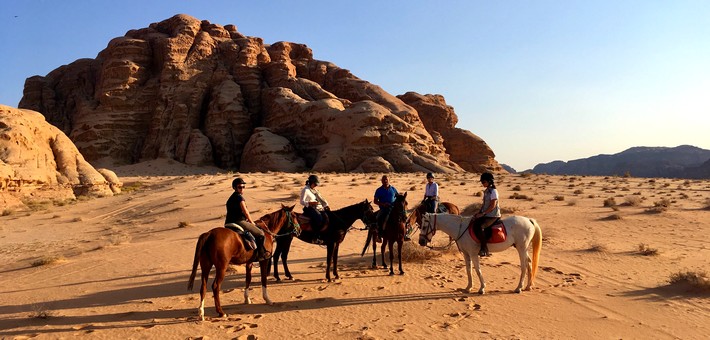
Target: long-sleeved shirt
[[431, 190], [312, 195]]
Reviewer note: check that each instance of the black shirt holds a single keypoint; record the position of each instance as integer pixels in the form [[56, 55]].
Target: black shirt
[[234, 209]]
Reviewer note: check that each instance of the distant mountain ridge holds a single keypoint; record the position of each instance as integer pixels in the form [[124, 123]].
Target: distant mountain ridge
[[684, 161]]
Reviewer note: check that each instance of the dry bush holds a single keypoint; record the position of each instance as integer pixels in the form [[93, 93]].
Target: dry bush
[[645, 250], [598, 248], [294, 195], [478, 194], [659, 206], [414, 253], [183, 224], [40, 312], [77, 219], [46, 260], [414, 187], [516, 188], [508, 210], [707, 204], [610, 202], [613, 217], [131, 187], [633, 201], [578, 192], [572, 202], [695, 279], [471, 210], [34, 205], [559, 198], [517, 196], [7, 212], [281, 186], [118, 239]]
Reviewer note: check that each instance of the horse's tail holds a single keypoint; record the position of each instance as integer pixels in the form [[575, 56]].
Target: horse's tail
[[198, 251], [537, 246], [367, 241]]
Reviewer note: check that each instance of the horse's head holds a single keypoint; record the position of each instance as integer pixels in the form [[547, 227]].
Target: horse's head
[[428, 229], [400, 206]]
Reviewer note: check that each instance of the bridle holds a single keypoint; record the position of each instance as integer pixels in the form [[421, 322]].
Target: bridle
[[431, 230], [291, 222]]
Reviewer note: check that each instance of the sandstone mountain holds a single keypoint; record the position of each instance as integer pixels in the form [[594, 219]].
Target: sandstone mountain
[[683, 161], [203, 94], [36, 156]]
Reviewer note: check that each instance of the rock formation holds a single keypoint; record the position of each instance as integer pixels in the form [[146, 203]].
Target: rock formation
[[36, 155], [196, 92]]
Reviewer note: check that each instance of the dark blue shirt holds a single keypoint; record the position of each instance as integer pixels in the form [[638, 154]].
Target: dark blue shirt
[[386, 195], [234, 209]]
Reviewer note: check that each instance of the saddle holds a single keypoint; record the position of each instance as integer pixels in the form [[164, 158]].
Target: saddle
[[247, 237], [441, 209], [495, 233]]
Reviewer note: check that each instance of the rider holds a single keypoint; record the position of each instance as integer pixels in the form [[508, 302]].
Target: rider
[[431, 194], [314, 205], [489, 213], [237, 213], [384, 198]]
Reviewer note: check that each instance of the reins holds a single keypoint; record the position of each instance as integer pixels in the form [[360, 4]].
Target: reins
[[451, 240]]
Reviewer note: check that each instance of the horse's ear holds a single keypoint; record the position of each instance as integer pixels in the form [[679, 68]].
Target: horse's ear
[[292, 207], [405, 194]]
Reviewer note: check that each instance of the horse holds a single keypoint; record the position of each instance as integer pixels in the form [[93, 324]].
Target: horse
[[394, 231], [222, 246], [522, 232], [340, 222], [420, 210]]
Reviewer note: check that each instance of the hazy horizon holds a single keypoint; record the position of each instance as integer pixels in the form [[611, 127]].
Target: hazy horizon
[[538, 81]]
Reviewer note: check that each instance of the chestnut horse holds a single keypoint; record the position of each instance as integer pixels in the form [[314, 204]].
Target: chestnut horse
[[394, 231], [340, 222], [420, 210], [222, 246]]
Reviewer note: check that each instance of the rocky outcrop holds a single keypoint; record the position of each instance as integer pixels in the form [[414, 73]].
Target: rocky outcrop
[[464, 148], [36, 155], [195, 92]]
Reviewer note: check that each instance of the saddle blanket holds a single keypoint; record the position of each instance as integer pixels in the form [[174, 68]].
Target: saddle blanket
[[247, 237], [496, 233]]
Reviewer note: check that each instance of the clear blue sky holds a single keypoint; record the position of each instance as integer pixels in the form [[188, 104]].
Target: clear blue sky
[[537, 80]]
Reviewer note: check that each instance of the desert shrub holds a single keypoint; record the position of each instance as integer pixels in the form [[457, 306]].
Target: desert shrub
[[516, 188], [659, 206], [526, 175], [632, 201], [559, 198], [578, 192], [131, 187], [598, 248], [183, 224], [613, 217], [414, 253], [414, 187], [695, 279], [35, 205], [610, 202], [707, 204], [471, 209], [46, 260], [77, 219], [280, 186], [7, 212], [508, 210], [517, 196], [572, 202], [478, 194], [646, 250]]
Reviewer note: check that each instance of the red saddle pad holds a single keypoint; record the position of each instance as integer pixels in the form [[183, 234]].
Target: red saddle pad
[[499, 234]]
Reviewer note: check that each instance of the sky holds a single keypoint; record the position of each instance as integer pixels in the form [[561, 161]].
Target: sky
[[539, 81]]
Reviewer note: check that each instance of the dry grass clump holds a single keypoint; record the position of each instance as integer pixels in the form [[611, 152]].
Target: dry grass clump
[[598, 248], [471, 209], [694, 279], [7, 212], [183, 224], [517, 196], [559, 198], [659, 206], [508, 210], [131, 187], [280, 186], [646, 250], [478, 194], [613, 217], [47, 260], [415, 253], [707, 204], [610, 202], [578, 192], [517, 188], [39, 312], [632, 201]]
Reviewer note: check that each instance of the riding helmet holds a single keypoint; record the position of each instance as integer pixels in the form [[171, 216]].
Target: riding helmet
[[312, 179], [487, 176], [429, 175], [237, 181]]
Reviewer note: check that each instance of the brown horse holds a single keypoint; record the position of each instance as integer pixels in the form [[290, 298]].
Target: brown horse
[[420, 210], [339, 223], [394, 231], [221, 246]]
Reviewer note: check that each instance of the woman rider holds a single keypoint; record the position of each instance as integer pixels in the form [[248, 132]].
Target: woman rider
[[237, 213], [489, 213]]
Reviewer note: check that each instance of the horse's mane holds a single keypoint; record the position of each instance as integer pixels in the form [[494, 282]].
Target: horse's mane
[[276, 218], [351, 211]]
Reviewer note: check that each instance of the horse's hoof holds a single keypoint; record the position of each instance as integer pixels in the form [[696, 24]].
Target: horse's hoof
[[289, 277], [401, 272], [391, 273], [517, 290], [481, 292], [278, 279], [247, 301]]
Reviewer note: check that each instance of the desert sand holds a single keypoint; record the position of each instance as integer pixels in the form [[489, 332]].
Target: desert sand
[[118, 267]]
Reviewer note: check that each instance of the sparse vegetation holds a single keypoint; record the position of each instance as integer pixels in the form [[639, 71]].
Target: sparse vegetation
[[131, 187], [646, 250], [613, 217], [46, 260], [578, 192], [559, 198], [598, 248], [694, 279], [7, 212], [414, 253], [632, 201], [183, 224], [517, 196], [659, 206], [516, 188], [610, 202]]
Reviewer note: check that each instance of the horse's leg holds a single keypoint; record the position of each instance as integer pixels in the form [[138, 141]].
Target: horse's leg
[[524, 264], [390, 246], [284, 257], [477, 265], [336, 247], [328, 256], [247, 299], [467, 263], [374, 251], [382, 252], [220, 272], [400, 242], [205, 267], [277, 252], [264, 268]]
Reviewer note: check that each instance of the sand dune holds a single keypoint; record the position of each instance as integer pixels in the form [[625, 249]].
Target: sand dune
[[117, 267]]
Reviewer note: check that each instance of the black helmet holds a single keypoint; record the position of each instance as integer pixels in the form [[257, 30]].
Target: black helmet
[[487, 176], [429, 175], [237, 181], [312, 179]]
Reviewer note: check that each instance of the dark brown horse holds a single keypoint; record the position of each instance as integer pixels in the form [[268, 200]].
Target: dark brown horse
[[394, 231], [340, 222], [222, 246]]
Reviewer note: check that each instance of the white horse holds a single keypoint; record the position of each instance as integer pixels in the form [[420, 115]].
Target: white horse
[[522, 231]]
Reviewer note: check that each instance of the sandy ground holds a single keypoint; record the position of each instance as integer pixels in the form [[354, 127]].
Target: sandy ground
[[117, 267]]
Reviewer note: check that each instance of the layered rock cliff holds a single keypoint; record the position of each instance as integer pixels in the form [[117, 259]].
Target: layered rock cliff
[[196, 92]]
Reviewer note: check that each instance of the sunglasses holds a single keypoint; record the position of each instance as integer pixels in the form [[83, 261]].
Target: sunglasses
[[241, 186]]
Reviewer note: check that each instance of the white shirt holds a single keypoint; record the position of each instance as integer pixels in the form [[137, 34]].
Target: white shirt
[[312, 195], [431, 189]]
